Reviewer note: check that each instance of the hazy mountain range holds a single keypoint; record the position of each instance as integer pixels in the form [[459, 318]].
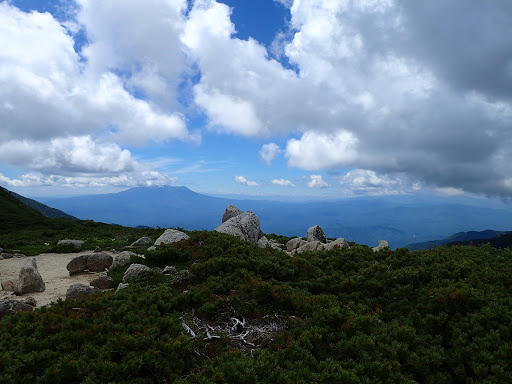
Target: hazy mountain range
[[399, 219]]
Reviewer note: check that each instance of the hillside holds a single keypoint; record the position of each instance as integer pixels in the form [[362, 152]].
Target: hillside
[[16, 215], [458, 238], [42, 208]]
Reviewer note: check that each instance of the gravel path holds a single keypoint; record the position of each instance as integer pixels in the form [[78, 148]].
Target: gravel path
[[52, 267]]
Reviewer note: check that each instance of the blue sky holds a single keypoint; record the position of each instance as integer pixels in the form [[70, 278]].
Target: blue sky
[[311, 98]]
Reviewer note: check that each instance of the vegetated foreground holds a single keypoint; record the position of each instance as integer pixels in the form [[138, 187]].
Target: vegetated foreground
[[250, 315]]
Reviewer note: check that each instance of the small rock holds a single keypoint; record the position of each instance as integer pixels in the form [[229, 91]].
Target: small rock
[[338, 243], [78, 290], [383, 244], [7, 255], [97, 250], [295, 243], [103, 282], [231, 211], [9, 285], [134, 271], [30, 301], [316, 233], [170, 270], [122, 286], [313, 246], [77, 264], [152, 248], [263, 242], [76, 244], [142, 241], [99, 262], [121, 259], [171, 236], [29, 279], [12, 307]]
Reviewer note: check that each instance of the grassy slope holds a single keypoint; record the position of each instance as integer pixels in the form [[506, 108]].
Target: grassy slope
[[16, 215]]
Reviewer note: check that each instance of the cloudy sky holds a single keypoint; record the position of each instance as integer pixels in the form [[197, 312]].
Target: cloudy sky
[[271, 97]]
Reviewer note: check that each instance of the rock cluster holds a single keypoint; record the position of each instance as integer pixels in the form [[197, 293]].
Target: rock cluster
[[12, 307], [315, 241]]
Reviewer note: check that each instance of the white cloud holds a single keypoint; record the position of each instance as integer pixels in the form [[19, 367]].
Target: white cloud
[[315, 151], [368, 182], [316, 181], [283, 182], [242, 180], [269, 151]]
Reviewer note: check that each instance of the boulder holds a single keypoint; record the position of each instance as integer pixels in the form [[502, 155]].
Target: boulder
[[171, 236], [29, 279], [276, 245], [141, 241], [30, 301], [7, 255], [78, 290], [313, 246], [134, 271], [316, 233], [77, 264], [9, 285], [98, 262], [12, 307], [383, 244], [338, 243], [121, 259], [76, 244], [122, 286], [231, 211], [263, 242], [246, 226], [103, 282], [295, 243]]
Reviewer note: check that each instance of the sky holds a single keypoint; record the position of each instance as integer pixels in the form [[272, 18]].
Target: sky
[[326, 98]]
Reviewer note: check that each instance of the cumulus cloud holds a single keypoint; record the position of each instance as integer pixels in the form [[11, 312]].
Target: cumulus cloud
[[269, 151], [283, 182], [363, 181], [243, 181], [316, 181]]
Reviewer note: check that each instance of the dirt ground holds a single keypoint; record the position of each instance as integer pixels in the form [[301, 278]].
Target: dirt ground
[[52, 267]]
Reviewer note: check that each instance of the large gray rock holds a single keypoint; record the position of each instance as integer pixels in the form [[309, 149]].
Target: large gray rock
[[103, 282], [231, 211], [98, 262], [142, 241], [295, 243], [171, 236], [12, 307], [134, 271], [316, 233], [121, 259], [263, 242], [246, 226], [76, 244], [78, 290], [29, 279], [338, 243], [383, 244], [313, 246], [77, 264]]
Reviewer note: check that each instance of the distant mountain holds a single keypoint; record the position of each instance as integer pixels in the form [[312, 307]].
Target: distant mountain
[[42, 208], [400, 220], [501, 241], [461, 237], [14, 214]]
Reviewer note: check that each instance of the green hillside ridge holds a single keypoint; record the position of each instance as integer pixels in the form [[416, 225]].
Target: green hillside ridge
[[42, 208], [235, 313]]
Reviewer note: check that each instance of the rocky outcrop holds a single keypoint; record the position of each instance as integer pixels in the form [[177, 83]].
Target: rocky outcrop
[[383, 244], [75, 244], [142, 241], [134, 271], [295, 244], [12, 307], [29, 279], [171, 236], [246, 226], [98, 262], [122, 259], [103, 282], [77, 264], [316, 233], [231, 211], [78, 290], [338, 243]]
